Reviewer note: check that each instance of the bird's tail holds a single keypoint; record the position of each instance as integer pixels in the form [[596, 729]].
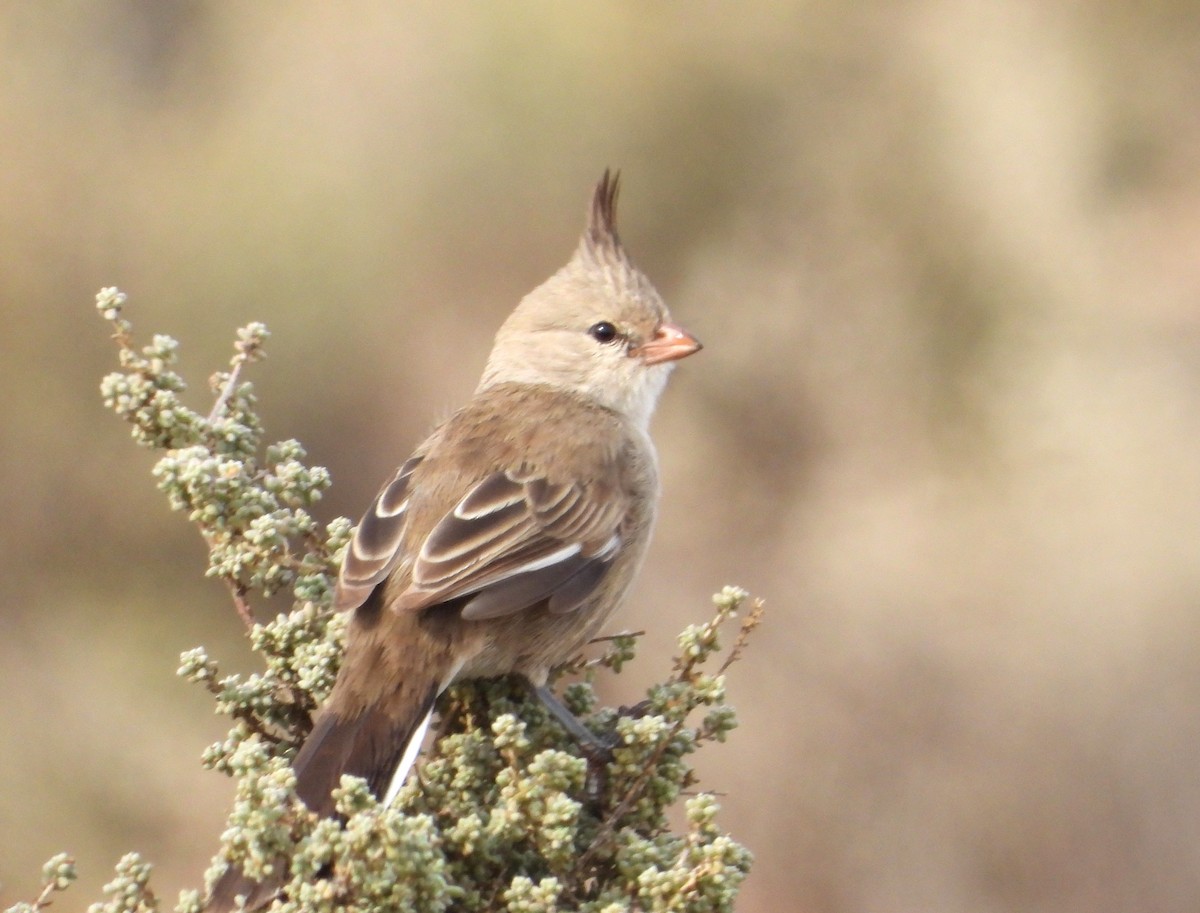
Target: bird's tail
[[375, 745], [371, 745]]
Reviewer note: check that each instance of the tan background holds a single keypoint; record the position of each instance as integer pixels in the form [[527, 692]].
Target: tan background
[[945, 259]]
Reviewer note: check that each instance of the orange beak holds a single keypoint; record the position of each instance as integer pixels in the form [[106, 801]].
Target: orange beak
[[669, 343]]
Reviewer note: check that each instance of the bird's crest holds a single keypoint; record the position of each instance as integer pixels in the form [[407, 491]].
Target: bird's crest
[[600, 243]]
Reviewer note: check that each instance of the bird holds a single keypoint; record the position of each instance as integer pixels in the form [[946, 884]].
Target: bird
[[512, 533]]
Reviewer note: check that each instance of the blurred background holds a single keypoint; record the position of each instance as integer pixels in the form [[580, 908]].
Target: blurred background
[[945, 258]]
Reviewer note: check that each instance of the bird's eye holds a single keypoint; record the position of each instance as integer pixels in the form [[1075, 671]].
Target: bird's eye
[[603, 332]]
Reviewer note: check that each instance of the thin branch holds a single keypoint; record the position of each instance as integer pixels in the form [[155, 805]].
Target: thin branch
[[245, 613], [605, 638], [227, 388], [751, 621], [43, 900]]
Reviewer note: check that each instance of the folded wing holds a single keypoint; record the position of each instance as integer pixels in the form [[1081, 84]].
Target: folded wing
[[513, 540], [377, 543]]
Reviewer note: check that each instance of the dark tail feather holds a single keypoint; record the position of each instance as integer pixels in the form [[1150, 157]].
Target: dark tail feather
[[370, 746], [326, 754]]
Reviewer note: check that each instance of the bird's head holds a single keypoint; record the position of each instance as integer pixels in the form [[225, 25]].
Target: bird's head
[[597, 327]]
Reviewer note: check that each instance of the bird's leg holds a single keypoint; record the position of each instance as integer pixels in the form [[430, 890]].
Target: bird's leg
[[637, 711], [596, 751], [593, 747]]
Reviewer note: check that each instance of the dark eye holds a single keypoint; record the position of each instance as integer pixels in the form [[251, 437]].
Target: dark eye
[[603, 332]]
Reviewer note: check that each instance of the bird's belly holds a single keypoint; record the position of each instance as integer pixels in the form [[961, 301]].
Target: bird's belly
[[530, 643]]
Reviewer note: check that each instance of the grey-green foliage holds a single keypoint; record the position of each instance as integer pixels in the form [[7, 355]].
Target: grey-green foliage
[[503, 814]]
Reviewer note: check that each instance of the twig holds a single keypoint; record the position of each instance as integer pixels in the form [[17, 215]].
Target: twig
[[684, 671], [213, 687], [609, 827], [751, 621], [605, 638], [227, 388], [248, 348], [238, 592], [43, 900]]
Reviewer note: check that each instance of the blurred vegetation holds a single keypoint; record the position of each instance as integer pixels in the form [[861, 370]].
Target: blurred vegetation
[[943, 259]]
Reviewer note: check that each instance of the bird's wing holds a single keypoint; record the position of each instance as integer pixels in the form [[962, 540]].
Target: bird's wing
[[376, 546], [514, 540]]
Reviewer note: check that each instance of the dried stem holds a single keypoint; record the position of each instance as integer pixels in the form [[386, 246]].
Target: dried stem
[[749, 623], [245, 613], [227, 388]]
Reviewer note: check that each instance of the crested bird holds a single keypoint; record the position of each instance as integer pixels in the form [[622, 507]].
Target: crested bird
[[512, 532]]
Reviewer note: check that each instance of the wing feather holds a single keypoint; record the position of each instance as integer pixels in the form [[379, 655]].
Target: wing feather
[[376, 546], [514, 539]]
